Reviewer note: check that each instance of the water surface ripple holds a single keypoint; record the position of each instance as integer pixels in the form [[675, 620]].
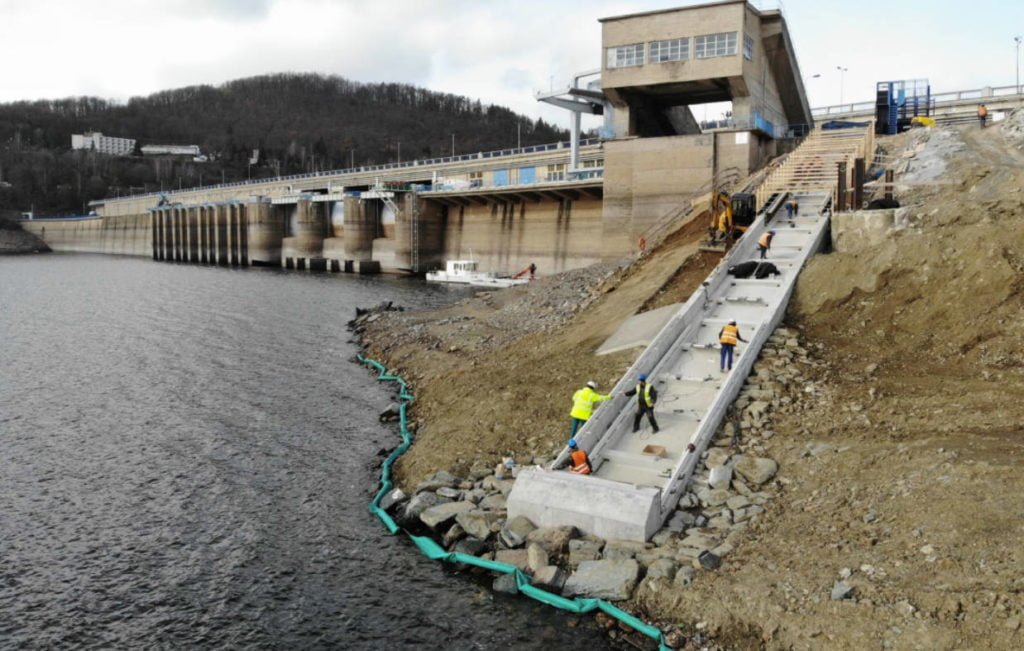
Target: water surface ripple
[[186, 456]]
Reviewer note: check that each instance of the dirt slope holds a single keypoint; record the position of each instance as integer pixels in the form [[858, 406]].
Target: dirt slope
[[495, 375], [906, 473], [902, 475]]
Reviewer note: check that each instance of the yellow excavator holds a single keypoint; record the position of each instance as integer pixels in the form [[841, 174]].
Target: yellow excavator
[[731, 216]]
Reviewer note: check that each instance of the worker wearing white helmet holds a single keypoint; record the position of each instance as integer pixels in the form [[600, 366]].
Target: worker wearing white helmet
[[583, 403]]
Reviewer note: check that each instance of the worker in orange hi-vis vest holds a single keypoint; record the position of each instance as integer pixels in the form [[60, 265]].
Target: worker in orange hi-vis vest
[[982, 115], [765, 242], [728, 336], [579, 461]]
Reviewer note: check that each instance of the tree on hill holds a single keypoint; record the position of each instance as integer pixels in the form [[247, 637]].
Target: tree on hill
[[299, 122]]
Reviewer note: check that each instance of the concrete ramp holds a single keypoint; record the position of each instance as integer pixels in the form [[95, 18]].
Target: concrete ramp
[[639, 477], [638, 330]]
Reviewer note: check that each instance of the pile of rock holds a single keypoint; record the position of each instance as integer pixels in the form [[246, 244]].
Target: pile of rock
[[543, 305], [1013, 127], [926, 154], [549, 302], [366, 316]]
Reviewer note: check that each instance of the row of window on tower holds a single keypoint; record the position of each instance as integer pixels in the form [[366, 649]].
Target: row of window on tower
[[678, 49]]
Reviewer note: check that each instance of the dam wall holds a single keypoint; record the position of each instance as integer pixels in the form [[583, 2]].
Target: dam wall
[[122, 235], [350, 234], [648, 180], [555, 235]]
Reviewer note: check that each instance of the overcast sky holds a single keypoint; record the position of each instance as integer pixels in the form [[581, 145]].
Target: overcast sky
[[499, 52]]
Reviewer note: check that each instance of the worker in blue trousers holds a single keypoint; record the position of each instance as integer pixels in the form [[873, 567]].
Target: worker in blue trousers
[[728, 336]]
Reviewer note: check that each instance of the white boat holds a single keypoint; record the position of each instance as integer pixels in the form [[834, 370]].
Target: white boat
[[466, 272], [457, 271]]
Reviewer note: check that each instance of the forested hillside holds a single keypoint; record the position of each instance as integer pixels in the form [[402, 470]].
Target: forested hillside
[[299, 123]]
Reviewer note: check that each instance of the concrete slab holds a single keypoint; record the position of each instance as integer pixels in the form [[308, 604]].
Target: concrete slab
[[609, 509], [638, 330]]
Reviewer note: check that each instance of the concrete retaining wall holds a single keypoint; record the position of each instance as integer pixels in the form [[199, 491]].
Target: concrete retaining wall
[[554, 235], [124, 235]]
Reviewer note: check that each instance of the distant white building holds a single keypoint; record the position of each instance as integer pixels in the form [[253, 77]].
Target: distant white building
[[102, 144], [170, 150]]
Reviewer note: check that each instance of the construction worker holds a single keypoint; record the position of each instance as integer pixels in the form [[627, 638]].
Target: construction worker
[[792, 207], [982, 115], [533, 271], [580, 463], [583, 402], [765, 243], [646, 396], [728, 336]]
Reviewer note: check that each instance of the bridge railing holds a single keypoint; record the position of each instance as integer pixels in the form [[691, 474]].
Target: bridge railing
[[952, 97], [587, 174], [499, 153]]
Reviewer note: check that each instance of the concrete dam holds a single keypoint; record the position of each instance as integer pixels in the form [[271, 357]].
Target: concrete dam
[[560, 206]]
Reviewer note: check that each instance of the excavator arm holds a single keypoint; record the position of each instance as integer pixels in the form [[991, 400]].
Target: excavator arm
[[529, 270]]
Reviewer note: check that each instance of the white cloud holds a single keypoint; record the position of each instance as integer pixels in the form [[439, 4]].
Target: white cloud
[[498, 52]]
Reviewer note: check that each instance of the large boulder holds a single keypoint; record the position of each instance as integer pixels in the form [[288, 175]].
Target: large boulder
[[440, 479], [437, 516], [517, 557], [453, 535], [536, 557], [515, 531], [717, 497], [756, 470], [615, 550], [420, 503], [549, 577], [477, 523], [680, 521], [554, 540], [505, 583], [720, 476], [493, 503], [495, 485], [391, 498], [664, 568], [470, 546], [584, 549], [717, 457], [611, 580], [450, 493]]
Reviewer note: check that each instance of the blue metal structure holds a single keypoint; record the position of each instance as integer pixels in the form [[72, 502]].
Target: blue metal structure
[[898, 102]]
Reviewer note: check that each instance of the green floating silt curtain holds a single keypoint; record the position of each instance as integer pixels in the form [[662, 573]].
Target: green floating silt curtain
[[436, 552]]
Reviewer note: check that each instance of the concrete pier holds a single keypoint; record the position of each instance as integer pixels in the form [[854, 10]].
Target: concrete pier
[[305, 240]]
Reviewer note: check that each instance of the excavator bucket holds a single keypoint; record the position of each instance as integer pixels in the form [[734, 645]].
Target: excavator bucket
[[711, 245]]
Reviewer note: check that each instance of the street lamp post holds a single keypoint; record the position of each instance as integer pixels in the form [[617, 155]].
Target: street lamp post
[[1017, 40], [842, 80]]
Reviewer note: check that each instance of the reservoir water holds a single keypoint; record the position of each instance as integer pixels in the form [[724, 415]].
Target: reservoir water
[[186, 456]]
